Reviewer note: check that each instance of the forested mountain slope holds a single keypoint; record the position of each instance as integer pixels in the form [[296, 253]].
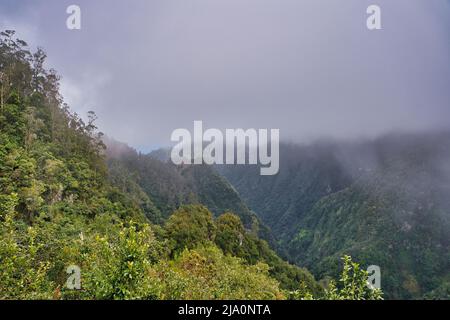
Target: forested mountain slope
[[384, 201], [161, 188], [171, 186], [60, 208]]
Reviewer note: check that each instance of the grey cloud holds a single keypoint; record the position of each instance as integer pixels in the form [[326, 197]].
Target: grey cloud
[[310, 68]]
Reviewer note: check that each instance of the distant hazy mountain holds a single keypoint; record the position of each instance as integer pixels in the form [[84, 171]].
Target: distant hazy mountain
[[161, 188], [168, 186], [386, 202]]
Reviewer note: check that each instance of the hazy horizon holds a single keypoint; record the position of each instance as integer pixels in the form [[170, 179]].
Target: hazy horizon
[[147, 68]]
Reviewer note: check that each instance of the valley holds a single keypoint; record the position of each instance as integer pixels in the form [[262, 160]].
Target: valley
[[383, 201]]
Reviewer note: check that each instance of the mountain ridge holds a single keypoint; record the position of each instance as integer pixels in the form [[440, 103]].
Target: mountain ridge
[[382, 187]]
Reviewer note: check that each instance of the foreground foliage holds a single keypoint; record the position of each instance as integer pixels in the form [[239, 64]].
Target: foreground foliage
[[59, 208]]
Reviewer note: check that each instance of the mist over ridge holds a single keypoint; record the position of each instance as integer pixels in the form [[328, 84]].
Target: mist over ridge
[[259, 64]]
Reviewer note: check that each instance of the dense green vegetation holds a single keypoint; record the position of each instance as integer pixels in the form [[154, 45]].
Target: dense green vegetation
[[130, 229], [385, 202], [171, 186]]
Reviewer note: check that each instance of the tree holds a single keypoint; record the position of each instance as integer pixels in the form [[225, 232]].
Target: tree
[[119, 268], [190, 226], [230, 234], [352, 284], [206, 273]]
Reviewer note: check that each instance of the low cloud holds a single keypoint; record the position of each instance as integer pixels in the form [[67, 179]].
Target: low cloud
[[310, 68]]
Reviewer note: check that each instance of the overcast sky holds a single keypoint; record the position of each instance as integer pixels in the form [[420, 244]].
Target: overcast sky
[[308, 67]]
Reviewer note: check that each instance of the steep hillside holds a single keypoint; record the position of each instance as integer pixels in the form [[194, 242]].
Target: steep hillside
[[61, 209], [384, 201], [170, 186]]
